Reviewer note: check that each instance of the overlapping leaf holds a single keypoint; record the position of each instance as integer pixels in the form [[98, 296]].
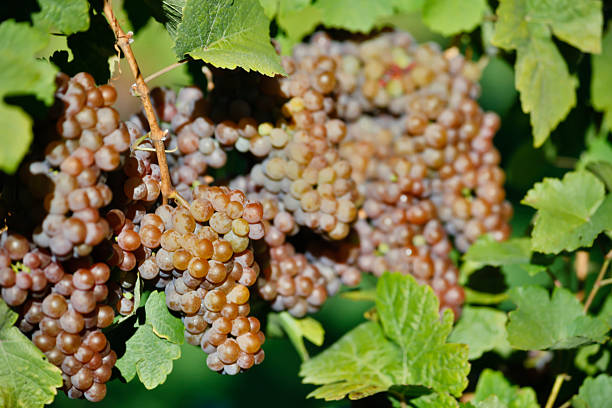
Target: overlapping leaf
[[164, 324], [493, 383], [21, 75], [66, 16], [594, 392], [482, 329], [558, 322], [601, 82], [449, 17], [409, 349], [354, 15], [227, 34], [571, 212], [546, 86], [27, 379], [297, 330], [149, 356]]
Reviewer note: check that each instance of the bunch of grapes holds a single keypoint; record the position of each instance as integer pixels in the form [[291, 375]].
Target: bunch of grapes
[[369, 156]]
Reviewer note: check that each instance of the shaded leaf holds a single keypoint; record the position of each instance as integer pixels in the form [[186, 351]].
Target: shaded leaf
[[594, 392], [449, 17], [21, 75], [601, 82], [164, 323], [66, 16], [228, 34], [349, 14], [488, 251], [592, 359], [27, 379], [558, 322], [493, 383], [149, 356], [571, 212], [482, 329]]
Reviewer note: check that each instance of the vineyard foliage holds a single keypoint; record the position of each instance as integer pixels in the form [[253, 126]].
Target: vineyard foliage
[[541, 298]]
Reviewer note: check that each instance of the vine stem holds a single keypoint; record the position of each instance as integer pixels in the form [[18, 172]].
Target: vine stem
[[166, 69], [555, 390], [598, 282], [157, 134]]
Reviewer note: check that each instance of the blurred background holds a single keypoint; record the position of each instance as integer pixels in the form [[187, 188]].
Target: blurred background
[[276, 382]]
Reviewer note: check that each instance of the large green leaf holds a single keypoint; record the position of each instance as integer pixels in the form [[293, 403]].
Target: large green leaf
[[601, 82], [67, 16], [449, 17], [164, 324], [354, 15], [27, 379], [21, 75], [557, 322], [228, 34], [482, 329], [149, 356], [594, 392], [493, 383], [571, 212], [409, 349], [548, 91]]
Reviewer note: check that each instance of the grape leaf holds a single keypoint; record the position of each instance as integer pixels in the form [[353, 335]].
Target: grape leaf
[[493, 383], [488, 251], [598, 147], [592, 359], [434, 400], [408, 6], [594, 392], [601, 82], [558, 322], [21, 75], [409, 349], [164, 324], [149, 356], [571, 212], [299, 329], [228, 34], [547, 90], [578, 23], [298, 22], [449, 17], [67, 16], [27, 379], [482, 329], [354, 15], [270, 7]]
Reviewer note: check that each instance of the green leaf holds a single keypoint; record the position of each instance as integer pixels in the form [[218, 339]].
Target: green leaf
[[601, 82], [449, 17], [354, 15], [488, 251], [435, 400], [270, 7], [578, 23], [299, 22], [411, 350], [299, 329], [21, 75], [67, 16], [571, 212], [164, 323], [558, 322], [360, 295], [493, 383], [149, 356], [547, 90], [592, 359], [408, 6], [603, 170], [228, 34], [27, 379], [594, 392], [482, 329], [483, 298]]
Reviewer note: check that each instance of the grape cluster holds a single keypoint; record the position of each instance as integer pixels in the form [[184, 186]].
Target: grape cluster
[[63, 312]]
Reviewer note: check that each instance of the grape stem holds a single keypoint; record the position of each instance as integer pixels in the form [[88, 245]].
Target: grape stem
[[598, 281], [166, 69], [555, 390], [156, 134]]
